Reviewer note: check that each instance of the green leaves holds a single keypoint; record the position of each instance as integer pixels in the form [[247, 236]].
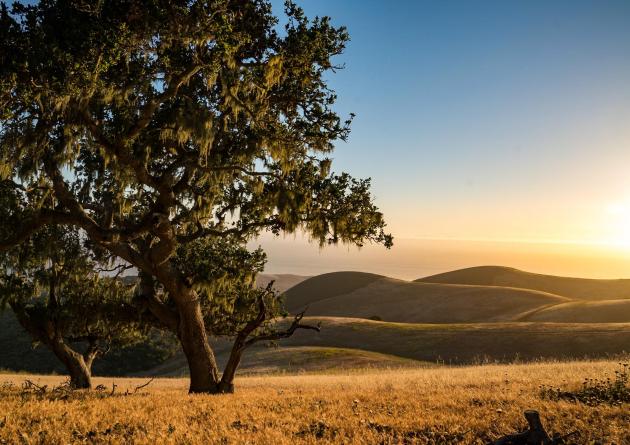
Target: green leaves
[[214, 264]]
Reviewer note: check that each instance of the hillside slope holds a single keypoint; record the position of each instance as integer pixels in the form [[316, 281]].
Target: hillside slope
[[394, 300], [573, 288], [425, 343], [605, 311], [466, 343], [264, 360]]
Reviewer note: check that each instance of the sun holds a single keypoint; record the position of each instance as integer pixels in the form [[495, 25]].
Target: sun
[[618, 225]]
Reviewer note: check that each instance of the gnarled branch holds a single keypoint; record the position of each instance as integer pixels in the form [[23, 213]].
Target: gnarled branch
[[243, 340]]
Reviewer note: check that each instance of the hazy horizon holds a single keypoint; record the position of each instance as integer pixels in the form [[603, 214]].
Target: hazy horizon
[[416, 258]]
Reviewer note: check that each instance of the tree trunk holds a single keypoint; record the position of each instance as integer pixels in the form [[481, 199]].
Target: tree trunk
[[226, 385], [204, 375], [80, 371]]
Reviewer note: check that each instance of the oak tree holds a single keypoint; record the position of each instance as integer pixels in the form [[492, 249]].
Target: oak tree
[[156, 126], [61, 298]]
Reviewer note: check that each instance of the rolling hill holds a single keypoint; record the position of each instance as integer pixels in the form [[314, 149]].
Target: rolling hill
[[281, 282], [264, 360], [573, 288], [359, 295], [605, 311], [370, 320], [325, 286], [469, 342]]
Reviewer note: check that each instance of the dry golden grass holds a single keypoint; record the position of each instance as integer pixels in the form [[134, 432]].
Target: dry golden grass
[[447, 405]]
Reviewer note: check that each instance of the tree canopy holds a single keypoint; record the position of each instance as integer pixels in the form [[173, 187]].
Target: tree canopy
[[53, 285], [158, 126]]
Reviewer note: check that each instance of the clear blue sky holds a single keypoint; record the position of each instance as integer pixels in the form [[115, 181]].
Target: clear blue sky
[[488, 119]]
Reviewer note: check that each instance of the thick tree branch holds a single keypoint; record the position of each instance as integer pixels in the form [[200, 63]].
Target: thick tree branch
[[67, 199], [147, 295], [102, 236], [33, 223]]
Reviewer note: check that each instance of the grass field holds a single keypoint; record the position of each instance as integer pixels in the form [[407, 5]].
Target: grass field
[[440, 405]]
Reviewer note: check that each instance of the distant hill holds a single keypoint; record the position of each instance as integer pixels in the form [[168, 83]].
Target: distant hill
[[359, 295], [282, 282], [325, 286], [573, 288]]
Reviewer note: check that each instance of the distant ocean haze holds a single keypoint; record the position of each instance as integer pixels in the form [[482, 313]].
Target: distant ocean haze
[[410, 259]]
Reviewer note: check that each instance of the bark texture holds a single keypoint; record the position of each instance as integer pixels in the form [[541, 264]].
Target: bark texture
[[191, 331], [79, 366]]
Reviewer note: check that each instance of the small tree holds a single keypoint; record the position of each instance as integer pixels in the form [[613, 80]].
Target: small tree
[[155, 125], [58, 296]]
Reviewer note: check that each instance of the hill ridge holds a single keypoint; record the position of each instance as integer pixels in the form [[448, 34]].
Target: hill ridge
[[571, 287]]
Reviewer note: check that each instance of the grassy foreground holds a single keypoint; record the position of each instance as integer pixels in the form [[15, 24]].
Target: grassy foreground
[[439, 405]]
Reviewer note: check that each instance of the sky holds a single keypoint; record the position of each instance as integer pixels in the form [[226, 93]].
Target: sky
[[484, 125], [495, 132]]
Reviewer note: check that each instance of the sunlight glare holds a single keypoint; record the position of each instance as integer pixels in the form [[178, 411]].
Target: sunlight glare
[[619, 220]]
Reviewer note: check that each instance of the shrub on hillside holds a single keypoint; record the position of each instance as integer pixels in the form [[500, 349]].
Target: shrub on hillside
[[613, 391]]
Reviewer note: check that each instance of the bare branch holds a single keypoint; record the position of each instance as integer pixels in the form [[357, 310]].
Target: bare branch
[[138, 388], [119, 269], [277, 335], [241, 169]]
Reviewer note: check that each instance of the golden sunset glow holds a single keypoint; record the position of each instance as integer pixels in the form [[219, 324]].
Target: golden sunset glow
[[619, 217]]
